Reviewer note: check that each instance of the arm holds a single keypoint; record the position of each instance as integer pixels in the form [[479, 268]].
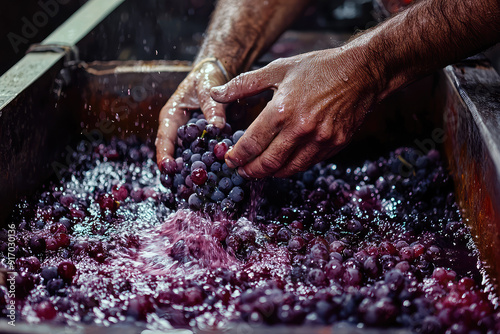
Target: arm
[[238, 33], [322, 97]]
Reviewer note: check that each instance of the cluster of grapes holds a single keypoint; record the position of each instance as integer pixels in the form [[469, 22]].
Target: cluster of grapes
[[342, 242], [199, 173]]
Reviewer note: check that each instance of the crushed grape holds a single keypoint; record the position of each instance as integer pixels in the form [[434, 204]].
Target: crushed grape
[[119, 241]]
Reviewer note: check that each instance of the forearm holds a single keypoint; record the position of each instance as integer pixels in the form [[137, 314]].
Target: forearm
[[428, 36], [241, 29]]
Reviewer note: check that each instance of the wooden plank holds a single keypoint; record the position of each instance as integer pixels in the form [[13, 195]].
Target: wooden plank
[[472, 125]]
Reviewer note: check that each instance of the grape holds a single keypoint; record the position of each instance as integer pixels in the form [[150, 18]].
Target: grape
[[217, 195], [220, 150], [195, 202], [212, 130], [237, 135], [341, 242], [195, 158], [201, 124], [237, 180], [208, 158], [181, 132], [37, 244], [226, 170], [168, 166], [186, 155], [216, 167], [54, 285], [198, 165], [48, 273], [45, 310], [192, 131], [225, 184], [66, 270], [198, 146], [199, 176], [236, 194]]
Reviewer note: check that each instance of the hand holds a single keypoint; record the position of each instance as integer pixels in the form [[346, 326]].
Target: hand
[[193, 93], [320, 99]]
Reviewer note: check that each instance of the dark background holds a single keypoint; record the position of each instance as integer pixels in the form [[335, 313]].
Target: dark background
[[156, 29]]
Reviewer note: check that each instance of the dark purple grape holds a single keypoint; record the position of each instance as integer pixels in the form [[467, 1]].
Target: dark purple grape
[[168, 166], [198, 165], [192, 132], [198, 145], [217, 195], [54, 285], [181, 132], [195, 157], [225, 184], [237, 180], [186, 155], [226, 170], [167, 180], [216, 167], [236, 194], [237, 135], [212, 130], [316, 277], [195, 202], [296, 244], [208, 158], [37, 244], [178, 180], [201, 124], [48, 273]]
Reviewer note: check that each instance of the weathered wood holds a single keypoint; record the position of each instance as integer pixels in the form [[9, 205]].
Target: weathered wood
[[472, 124]]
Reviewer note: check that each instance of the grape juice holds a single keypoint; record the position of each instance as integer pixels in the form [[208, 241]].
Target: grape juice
[[115, 241]]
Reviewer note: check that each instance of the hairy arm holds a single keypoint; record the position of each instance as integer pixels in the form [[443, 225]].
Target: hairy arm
[[322, 97], [430, 35], [241, 29]]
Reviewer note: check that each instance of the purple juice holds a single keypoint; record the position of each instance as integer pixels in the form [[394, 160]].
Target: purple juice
[[113, 242]]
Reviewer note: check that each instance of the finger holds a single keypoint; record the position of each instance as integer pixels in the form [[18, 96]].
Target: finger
[[171, 118], [246, 84], [273, 158], [214, 112], [256, 138]]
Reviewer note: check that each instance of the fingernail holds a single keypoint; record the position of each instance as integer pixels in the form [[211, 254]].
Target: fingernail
[[241, 172], [218, 89], [230, 163], [217, 121]]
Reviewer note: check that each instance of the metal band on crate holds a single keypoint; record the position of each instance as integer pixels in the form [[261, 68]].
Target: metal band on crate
[[216, 62]]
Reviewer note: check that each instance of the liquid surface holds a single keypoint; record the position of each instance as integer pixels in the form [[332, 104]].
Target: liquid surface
[[378, 244]]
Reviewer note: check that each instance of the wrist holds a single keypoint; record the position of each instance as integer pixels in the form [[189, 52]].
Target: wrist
[[383, 63], [360, 61], [214, 61]]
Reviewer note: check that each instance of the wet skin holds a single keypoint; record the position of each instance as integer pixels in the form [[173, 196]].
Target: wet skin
[[320, 98]]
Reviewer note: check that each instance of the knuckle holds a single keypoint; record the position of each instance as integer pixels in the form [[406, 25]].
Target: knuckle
[[250, 145], [297, 165], [323, 136], [270, 164], [303, 130]]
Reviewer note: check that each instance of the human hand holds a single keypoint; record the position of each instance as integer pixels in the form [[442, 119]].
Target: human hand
[[320, 99], [193, 93]]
